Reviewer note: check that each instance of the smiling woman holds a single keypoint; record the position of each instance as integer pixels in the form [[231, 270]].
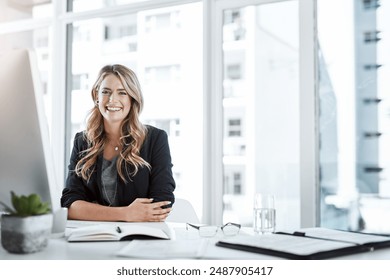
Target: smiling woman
[[113, 101], [120, 169]]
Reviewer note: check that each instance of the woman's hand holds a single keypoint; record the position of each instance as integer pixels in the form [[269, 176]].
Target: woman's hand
[[144, 210]]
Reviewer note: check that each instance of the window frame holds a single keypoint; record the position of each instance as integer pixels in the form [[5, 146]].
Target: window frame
[[212, 92], [309, 166]]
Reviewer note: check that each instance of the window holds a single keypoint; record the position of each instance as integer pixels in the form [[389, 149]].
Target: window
[[372, 66], [164, 73], [117, 32], [354, 119], [237, 183], [234, 25], [80, 81], [370, 37], [234, 127], [372, 100], [233, 72], [261, 148], [259, 91], [233, 183], [81, 34], [162, 21], [171, 126], [371, 4]]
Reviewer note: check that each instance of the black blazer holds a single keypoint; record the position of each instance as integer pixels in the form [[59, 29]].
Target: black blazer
[[157, 183]]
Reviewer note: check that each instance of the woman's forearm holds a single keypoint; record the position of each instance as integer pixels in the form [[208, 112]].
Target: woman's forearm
[[83, 210], [140, 210]]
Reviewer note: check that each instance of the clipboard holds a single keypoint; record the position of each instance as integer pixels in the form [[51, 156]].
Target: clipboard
[[309, 243]]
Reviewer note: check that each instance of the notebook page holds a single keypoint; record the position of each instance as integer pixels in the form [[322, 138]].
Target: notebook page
[[164, 249], [345, 236], [287, 243]]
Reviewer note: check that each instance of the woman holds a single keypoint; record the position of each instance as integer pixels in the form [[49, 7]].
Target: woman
[[120, 170]]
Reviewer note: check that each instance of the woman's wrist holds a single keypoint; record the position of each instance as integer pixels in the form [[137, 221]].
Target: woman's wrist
[[122, 213]]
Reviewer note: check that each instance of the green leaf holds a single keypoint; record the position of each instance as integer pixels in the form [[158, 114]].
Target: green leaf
[[28, 205], [14, 200], [42, 209], [33, 202], [7, 208], [23, 206]]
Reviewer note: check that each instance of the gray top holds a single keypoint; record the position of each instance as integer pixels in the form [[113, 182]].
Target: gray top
[[109, 182]]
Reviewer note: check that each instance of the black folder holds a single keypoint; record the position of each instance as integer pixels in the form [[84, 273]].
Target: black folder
[[307, 244]]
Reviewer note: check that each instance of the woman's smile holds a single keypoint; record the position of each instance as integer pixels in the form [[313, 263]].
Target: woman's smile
[[114, 101]]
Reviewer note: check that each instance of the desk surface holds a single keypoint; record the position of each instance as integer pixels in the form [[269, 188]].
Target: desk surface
[[60, 249]]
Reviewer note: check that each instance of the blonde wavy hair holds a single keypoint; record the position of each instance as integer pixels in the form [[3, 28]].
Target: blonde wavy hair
[[132, 131]]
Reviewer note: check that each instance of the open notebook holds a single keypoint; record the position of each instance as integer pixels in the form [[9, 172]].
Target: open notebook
[[111, 231]]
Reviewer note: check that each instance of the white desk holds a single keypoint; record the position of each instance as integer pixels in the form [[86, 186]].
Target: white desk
[[60, 249]]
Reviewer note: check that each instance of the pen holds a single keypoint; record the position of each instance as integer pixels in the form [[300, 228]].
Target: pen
[[118, 229]]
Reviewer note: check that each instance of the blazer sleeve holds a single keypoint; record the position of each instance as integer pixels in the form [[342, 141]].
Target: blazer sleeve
[[76, 188], [162, 183]]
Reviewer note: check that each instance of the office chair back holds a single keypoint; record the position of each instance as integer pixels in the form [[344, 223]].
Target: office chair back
[[183, 212]]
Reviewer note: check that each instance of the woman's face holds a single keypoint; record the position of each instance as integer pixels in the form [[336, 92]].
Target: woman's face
[[114, 102]]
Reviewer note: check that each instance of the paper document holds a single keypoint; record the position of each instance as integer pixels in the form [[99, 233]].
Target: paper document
[[345, 236], [93, 226], [164, 249], [308, 243], [287, 243]]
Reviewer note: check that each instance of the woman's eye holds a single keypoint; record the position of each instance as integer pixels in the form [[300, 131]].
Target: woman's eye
[[123, 93], [105, 92]]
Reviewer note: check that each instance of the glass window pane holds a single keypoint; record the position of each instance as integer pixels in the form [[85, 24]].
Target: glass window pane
[[38, 41], [354, 119], [261, 110], [168, 63], [22, 9]]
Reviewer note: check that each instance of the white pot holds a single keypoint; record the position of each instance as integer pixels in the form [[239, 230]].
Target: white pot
[[23, 235]]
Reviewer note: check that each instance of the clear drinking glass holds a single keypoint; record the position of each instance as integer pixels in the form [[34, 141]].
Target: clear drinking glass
[[264, 213]]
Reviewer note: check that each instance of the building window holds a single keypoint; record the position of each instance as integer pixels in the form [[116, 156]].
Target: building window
[[81, 34], [162, 74], [80, 81], [162, 21], [42, 42], [372, 66], [372, 134], [112, 32], [237, 183], [170, 126], [234, 129], [372, 100], [45, 57], [127, 30], [231, 16], [371, 37], [234, 72], [371, 4], [233, 21], [132, 47], [233, 181], [176, 127]]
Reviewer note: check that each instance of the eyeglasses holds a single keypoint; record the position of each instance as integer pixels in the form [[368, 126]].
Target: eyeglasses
[[228, 229]]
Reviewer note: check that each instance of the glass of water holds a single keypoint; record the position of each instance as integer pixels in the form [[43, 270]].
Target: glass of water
[[264, 213]]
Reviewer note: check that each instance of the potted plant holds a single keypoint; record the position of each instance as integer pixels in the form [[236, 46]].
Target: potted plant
[[26, 227]]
